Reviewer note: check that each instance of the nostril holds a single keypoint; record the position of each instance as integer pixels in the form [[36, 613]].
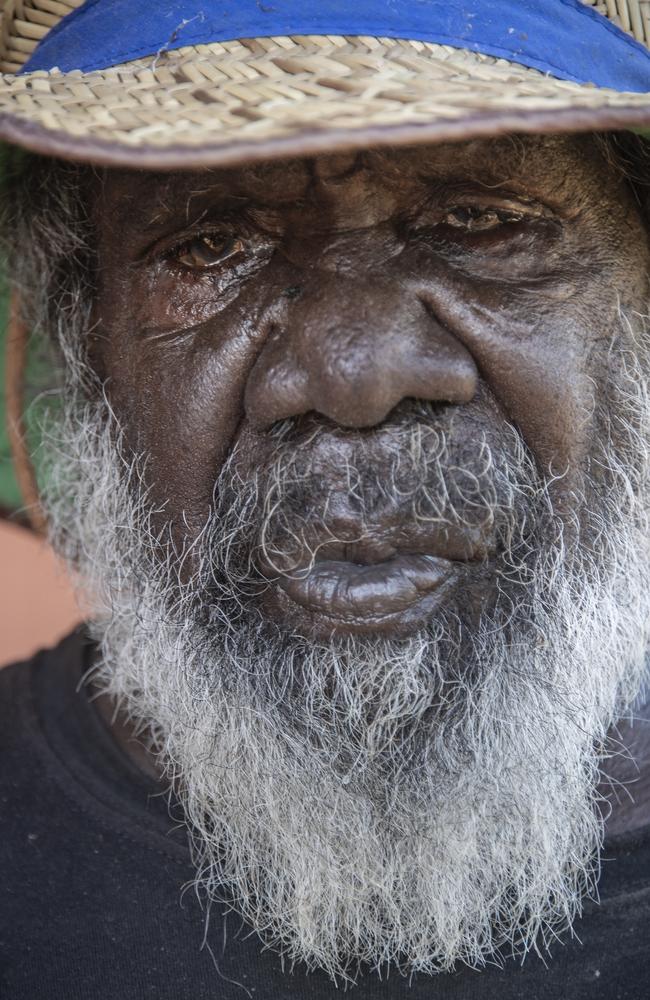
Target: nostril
[[428, 409]]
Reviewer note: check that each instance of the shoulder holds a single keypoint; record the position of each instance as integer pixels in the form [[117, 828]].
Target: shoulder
[[69, 652], [625, 788], [23, 688]]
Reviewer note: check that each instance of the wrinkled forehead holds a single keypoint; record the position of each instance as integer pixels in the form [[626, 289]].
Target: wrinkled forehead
[[563, 167]]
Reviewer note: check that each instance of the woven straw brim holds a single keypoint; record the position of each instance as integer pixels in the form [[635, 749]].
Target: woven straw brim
[[226, 103]]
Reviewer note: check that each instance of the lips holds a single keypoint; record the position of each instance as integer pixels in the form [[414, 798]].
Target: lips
[[382, 583], [345, 590]]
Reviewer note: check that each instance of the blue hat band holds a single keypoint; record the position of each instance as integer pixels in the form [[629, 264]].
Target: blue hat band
[[563, 38]]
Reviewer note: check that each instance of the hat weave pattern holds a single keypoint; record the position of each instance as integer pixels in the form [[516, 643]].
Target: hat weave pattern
[[24, 24], [632, 16]]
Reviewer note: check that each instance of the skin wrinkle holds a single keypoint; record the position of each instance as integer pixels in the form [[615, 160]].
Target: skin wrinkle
[[455, 755]]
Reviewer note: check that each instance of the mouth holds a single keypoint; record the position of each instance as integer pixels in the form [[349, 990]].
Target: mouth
[[349, 592], [396, 595]]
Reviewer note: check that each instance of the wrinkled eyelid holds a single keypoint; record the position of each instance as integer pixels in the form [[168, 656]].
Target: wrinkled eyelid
[[495, 200], [225, 233], [482, 203], [165, 247], [509, 206]]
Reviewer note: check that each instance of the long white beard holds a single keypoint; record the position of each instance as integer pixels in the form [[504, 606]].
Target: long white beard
[[417, 802]]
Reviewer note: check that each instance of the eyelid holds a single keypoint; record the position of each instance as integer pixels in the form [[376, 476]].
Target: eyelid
[[503, 206], [462, 195], [527, 212], [165, 246], [180, 243]]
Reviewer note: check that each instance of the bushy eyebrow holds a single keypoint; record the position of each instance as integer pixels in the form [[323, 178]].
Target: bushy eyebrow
[[150, 205]]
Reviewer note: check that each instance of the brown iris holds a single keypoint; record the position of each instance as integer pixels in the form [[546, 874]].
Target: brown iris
[[209, 251], [474, 219]]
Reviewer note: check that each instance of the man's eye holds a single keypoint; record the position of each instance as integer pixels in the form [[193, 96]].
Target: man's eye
[[208, 251], [476, 220]]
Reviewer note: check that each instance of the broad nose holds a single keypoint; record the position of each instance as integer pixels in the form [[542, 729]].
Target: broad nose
[[351, 352]]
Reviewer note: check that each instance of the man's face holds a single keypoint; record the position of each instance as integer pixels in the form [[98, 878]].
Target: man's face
[[485, 279], [368, 517]]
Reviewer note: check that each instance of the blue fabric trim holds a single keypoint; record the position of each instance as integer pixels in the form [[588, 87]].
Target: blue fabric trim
[[563, 38]]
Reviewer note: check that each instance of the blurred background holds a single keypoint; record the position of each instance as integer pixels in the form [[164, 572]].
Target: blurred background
[[37, 606]]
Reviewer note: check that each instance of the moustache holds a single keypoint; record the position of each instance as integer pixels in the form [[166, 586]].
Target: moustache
[[424, 481]]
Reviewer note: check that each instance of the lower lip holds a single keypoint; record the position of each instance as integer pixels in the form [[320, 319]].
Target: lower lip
[[346, 591]]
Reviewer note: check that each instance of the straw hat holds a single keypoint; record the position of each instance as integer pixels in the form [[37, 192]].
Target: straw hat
[[178, 83]]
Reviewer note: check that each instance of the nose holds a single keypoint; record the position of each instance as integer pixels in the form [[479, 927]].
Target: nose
[[351, 352]]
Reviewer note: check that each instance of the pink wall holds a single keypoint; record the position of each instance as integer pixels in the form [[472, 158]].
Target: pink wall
[[37, 606]]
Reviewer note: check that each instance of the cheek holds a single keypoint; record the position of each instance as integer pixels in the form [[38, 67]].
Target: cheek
[[533, 347], [541, 338], [538, 369], [180, 401]]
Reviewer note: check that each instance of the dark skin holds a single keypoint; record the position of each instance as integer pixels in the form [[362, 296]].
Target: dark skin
[[484, 277]]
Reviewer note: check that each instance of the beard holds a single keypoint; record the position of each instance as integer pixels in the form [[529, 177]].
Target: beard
[[369, 801]]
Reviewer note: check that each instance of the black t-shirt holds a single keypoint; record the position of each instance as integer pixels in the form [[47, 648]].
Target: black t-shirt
[[96, 878]]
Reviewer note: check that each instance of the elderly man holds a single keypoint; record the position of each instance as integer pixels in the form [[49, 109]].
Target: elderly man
[[352, 457]]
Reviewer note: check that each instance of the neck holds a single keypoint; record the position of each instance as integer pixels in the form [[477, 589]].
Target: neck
[[627, 790], [125, 736]]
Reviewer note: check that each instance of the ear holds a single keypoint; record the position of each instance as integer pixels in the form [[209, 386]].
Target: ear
[[15, 363]]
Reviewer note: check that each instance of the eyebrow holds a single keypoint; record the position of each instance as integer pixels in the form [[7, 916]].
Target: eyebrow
[[155, 204], [194, 206]]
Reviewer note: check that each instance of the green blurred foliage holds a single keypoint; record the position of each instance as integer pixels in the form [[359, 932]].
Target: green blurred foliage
[[10, 498], [41, 377]]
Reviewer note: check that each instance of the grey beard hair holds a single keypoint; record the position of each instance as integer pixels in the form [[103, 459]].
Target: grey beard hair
[[371, 802]]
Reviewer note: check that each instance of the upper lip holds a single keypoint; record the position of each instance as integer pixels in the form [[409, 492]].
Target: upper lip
[[454, 544]]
